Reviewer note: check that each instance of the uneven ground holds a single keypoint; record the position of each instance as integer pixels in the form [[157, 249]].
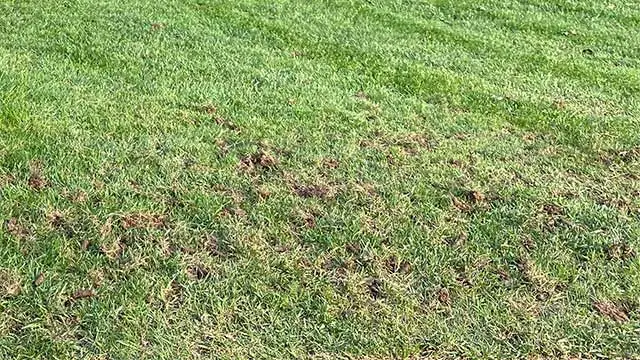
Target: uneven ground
[[318, 179]]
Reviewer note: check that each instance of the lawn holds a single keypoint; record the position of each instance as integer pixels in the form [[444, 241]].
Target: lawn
[[319, 179]]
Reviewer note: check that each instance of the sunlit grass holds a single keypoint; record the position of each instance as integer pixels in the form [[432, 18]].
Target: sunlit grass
[[319, 179]]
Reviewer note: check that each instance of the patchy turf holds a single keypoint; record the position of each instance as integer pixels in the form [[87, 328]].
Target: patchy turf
[[319, 179]]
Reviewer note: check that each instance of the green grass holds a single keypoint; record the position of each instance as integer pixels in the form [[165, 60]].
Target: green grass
[[319, 179]]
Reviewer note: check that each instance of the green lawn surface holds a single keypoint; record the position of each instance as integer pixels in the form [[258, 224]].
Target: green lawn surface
[[362, 179]]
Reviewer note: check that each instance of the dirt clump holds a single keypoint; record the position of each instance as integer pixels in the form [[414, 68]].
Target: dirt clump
[[84, 294], [552, 209], [329, 163], [476, 197], [39, 280], [16, 229], [375, 288], [113, 250], [444, 296], [198, 272], [312, 191], [37, 181], [259, 159], [141, 220], [394, 265], [620, 251], [157, 26], [173, 295], [354, 249], [10, 284], [611, 310]]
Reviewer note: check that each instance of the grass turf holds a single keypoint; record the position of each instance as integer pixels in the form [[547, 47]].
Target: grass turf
[[293, 179]]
